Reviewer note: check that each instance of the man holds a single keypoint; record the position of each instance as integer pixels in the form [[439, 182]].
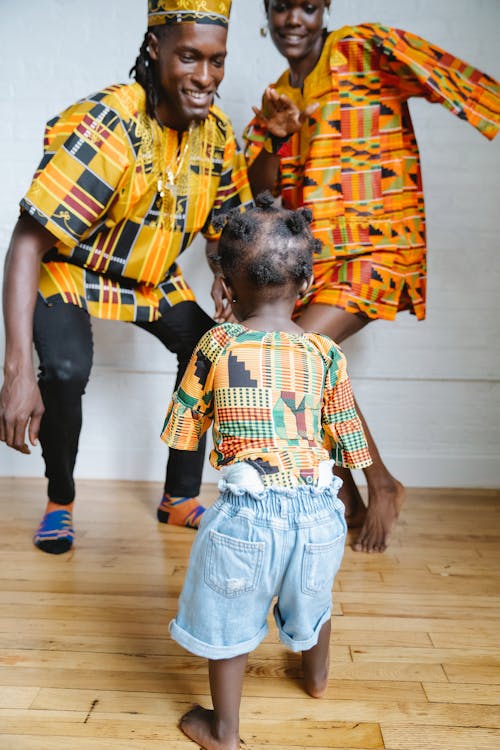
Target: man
[[128, 178]]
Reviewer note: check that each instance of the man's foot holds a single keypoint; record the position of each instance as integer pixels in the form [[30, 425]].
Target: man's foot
[[55, 534], [180, 511], [197, 724], [384, 506]]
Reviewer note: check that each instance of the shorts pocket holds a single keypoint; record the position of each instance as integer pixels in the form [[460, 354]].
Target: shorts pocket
[[320, 564], [232, 566]]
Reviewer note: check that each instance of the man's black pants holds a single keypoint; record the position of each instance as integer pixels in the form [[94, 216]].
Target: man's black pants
[[64, 344]]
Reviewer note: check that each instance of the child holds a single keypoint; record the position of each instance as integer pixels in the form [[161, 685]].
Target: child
[[281, 404]]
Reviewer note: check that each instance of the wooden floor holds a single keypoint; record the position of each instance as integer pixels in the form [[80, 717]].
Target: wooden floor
[[87, 663]]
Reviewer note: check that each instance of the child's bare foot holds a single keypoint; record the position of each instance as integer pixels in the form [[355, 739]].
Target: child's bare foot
[[198, 725], [384, 506], [315, 684], [316, 663]]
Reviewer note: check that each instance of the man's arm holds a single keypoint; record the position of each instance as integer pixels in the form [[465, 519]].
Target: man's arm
[[21, 406]]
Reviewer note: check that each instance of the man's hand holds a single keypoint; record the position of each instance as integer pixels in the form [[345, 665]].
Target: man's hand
[[223, 311], [21, 409]]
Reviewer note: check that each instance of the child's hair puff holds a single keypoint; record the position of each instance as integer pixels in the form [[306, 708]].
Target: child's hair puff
[[272, 245]]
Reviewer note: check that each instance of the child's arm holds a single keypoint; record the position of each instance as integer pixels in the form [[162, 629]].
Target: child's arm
[[343, 429], [190, 412]]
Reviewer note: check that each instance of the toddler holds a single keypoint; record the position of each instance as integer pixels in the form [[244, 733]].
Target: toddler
[[282, 412]]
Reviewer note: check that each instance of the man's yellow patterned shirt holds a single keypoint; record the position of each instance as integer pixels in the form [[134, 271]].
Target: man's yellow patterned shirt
[[104, 189]]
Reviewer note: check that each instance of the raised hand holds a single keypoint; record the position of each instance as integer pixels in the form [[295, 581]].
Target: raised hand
[[280, 115]]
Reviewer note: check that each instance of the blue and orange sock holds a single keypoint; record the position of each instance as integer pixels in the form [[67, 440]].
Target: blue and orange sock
[[180, 511], [55, 533]]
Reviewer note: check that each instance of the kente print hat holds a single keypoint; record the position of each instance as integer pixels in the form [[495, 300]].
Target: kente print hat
[[188, 11]]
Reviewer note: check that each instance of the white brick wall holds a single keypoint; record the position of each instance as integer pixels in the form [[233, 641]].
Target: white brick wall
[[430, 390]]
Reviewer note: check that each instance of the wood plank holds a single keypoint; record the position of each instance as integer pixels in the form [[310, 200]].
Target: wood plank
[[87, 662], [128, 727], [410, 737], [439, 692]]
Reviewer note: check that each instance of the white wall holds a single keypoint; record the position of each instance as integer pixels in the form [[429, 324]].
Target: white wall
[[430, 390]]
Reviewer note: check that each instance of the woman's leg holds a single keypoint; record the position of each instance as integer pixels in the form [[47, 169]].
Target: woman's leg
[[63, 341], [219, 729], [385, 493], [316, 663]]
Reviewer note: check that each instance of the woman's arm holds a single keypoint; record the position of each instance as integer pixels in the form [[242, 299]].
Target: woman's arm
[[281, 118]]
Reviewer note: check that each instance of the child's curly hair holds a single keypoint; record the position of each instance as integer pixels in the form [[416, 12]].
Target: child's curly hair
[[271, 245]]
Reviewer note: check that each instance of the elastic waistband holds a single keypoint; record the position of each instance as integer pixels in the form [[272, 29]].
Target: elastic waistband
[[240, 487], [243, 477]]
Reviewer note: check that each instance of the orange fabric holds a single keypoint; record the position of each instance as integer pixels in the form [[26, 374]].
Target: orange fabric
[[355, 162]]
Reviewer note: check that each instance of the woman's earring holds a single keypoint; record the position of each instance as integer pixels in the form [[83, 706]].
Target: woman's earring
[[234, 299], [326, 17], [264, 29]]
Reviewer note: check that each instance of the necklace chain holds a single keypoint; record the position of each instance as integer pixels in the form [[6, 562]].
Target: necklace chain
[[167, 180], [200, 140]]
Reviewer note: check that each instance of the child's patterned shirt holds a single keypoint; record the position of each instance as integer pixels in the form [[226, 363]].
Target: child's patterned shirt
[[281, 402]]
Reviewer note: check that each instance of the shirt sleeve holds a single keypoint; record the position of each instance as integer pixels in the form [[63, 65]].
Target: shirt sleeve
[[418, 68], [254, 136], [344, 435], [86, 154], [234, 189], [191, 409]]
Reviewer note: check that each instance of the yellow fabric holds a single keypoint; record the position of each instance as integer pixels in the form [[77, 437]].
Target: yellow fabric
[[190, 11], [99, 189]]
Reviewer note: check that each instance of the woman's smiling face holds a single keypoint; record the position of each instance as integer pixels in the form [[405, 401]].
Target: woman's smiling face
[[296, 26]]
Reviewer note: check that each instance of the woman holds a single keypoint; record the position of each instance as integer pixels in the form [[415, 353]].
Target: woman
[[334, 134]]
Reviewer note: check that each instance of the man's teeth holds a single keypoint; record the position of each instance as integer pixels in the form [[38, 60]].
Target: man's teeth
[[197, 94]]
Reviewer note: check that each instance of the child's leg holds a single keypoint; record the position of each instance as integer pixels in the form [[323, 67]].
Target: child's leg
[[219, 729], [315, 663]]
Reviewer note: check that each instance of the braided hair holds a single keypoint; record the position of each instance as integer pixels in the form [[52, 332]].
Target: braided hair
[[145, 73], [271, 245]]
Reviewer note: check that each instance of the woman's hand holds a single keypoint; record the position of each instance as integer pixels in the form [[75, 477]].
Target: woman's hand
[[280, 115]]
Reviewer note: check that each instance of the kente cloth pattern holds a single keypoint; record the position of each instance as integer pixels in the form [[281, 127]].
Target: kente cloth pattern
[[282, 402], [188, 11], [100, 190], [355, 162]]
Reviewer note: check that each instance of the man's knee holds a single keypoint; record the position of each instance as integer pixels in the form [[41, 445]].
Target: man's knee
[[65, 375]]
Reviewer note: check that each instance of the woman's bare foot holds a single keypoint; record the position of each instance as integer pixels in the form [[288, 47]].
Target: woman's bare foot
[[198, 725], [384, 506], [355, 514], [355, 509]]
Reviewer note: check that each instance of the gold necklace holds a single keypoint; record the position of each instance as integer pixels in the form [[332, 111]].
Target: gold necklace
[[166, 181], [187, 174]]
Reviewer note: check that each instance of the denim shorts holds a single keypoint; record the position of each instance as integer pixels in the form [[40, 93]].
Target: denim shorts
[[255, 547]]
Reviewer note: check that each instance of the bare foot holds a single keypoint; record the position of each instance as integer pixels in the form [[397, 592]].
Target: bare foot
[[316, 685], [197, 724], [355, 515], [316, 663], [384, 506], [355, 509]]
